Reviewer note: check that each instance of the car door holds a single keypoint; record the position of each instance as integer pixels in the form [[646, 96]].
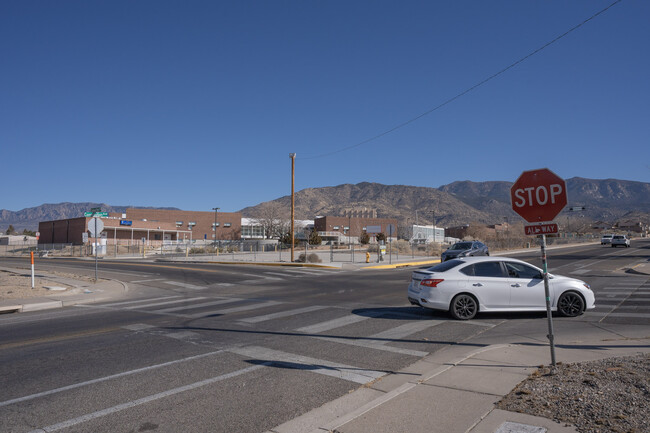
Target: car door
[[490, 283], [527, 286]]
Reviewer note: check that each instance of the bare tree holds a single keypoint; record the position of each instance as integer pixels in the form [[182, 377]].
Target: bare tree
[[274, 220]]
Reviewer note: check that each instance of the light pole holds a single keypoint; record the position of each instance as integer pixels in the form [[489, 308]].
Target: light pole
[[216, 210], [433, 224], [293, 167]]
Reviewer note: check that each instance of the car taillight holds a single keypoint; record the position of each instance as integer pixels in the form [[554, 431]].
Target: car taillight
[[431, 282]]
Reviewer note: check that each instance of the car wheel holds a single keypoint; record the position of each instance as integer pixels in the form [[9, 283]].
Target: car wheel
[[571, 304], [463, 307]]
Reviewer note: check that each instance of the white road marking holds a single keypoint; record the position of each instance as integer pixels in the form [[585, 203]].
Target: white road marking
[[114, 304], [335, 323], [185, 285], [155, 304], [146, 281], [203, 304], [286, 313], [148, 399], [319, 366], [235, 309], [105, 378]]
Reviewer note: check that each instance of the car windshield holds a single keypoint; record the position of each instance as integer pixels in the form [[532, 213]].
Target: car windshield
[[619, 237], [461, 246], [445, 266]]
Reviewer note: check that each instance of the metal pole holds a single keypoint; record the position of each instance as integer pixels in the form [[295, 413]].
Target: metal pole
[[96, 249], [32, 254], [293, 166], [548, 303]]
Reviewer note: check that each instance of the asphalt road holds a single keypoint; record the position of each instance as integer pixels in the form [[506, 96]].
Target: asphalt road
[[243, 349]]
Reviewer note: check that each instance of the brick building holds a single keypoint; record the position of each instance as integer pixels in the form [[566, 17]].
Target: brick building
[[154, 225], [330, 227]]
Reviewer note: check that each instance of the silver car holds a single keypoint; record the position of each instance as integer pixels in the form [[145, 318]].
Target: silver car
[[606, 239], [469, 285], [621, 240]]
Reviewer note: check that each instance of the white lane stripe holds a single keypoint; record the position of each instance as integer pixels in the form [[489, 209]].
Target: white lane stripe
[[287, 313], [138, 402], [146, 281], [185, 285], [299, 362], [405, 330], [139, 300], [275, 273], [336, 323], [235, 309], [374, 345], [203, 304], [608, 314], [105, 378], [155, 304]]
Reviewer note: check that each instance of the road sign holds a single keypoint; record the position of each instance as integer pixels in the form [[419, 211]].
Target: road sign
[[126, 223], [95, 214], [541, 229], [538, 195], [95, 226]]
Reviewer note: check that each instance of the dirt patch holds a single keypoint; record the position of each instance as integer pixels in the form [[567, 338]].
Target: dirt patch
[[18, 285]]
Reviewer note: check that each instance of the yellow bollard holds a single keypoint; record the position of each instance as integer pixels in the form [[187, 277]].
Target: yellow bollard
[[367, 257]]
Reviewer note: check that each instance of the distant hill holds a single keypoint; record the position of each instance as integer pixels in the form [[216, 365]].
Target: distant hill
[[30, 217], [462, 202]]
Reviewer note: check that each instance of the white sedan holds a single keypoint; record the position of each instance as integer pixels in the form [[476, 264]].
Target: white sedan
[[468, 285]]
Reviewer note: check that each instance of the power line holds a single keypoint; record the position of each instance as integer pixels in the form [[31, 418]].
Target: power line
[[480, 83]]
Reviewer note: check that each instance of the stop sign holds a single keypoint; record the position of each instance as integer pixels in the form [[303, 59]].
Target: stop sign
[[538, 195]]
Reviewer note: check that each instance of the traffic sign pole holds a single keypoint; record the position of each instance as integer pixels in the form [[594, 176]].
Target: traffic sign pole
[[547, 293], [96, 247], [538, 196]]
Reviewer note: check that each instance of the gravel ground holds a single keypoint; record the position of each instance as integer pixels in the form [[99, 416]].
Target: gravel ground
[[18, 285], [610, 395]]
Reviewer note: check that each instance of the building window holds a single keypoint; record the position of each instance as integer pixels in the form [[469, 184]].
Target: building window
[[227, 224], [335, 227]]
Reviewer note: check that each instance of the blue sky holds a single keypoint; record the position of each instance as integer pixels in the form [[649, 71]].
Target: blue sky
[[198, 104]]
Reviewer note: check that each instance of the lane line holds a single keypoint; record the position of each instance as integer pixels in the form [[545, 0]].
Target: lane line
[[138, 300], [336, 323], [155, 304], [281, 314], [203, 304], [234, 309], [313, 365], [185, 285], [120, 407]]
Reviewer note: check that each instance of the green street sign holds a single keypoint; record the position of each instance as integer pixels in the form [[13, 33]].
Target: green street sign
[[88, 214], [95, 214]]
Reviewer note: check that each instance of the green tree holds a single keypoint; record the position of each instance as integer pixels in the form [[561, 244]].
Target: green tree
[[11, 230], [29, 232], [286, 239], [364, 239], [381, 237], [314, 238]]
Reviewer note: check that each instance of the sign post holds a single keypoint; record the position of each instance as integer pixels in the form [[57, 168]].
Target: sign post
[[538, 196], [32, 254], [95, 226]]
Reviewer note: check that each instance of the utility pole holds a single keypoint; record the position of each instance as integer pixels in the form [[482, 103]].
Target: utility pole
[[216, 210], [293, 168]]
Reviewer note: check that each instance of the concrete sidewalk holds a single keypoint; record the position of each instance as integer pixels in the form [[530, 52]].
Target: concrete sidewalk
[[456, 389]]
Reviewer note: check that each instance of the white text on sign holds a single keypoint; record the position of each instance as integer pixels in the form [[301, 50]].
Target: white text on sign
[[537, 196]]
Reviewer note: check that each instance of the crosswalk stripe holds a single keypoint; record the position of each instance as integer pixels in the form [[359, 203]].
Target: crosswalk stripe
[[115, 304], [373, 345], [185, 285], [235, 309], [313, 365], [405, 330], [203, 304], [286, 313], [155, 304], [335, 323]]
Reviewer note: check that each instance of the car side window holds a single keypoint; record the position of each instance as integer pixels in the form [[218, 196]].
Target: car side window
[[488, 269], [519, 270]]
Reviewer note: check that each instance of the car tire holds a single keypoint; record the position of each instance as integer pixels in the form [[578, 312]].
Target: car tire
[[463, 307], [570, 304]]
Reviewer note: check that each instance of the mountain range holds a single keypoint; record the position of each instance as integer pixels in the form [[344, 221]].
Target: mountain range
[[462, 202]]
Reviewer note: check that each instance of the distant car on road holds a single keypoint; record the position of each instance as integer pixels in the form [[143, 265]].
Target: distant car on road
[[621, 240], [606, 239], [465, 249], [470, 285]]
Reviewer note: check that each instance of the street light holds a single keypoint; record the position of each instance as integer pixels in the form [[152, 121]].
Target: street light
[[293, 214], [216, 210]]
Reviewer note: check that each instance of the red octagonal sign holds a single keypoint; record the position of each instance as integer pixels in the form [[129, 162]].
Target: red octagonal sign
[[538, 195]]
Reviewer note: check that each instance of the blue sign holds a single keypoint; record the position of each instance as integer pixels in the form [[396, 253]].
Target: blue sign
[[125, 223]]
